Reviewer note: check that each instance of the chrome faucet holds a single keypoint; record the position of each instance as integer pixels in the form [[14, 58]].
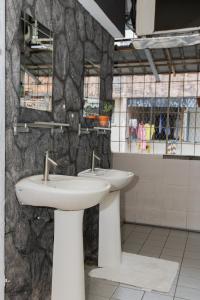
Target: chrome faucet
[[47, 163], [94, 156]]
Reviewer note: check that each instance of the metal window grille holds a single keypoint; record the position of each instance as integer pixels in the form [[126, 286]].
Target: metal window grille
[[91, 95], [157, 117]]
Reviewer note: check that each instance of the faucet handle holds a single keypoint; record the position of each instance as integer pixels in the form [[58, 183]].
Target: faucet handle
[[97, 157], [52, 162]]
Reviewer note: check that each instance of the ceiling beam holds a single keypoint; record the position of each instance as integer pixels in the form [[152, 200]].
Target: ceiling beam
[[183, 58], [176, 62], [137, 55], [197, 51], [169, 58], [152, 64]]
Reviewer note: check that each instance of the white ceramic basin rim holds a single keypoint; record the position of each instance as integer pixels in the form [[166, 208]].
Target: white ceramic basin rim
[[61, 192], [117, 178]]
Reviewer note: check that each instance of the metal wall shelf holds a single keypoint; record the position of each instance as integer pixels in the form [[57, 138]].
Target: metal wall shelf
[[25, 127], [98, 130]]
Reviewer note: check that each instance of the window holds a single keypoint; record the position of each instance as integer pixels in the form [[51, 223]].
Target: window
[[156, 117]]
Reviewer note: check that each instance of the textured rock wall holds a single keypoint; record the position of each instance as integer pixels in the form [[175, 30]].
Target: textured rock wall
[[29, 231]]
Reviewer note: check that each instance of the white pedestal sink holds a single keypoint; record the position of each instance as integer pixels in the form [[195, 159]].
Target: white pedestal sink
[[70, 196], [110, 254]]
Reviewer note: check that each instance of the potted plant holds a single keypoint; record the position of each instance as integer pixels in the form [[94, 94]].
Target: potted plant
[[106, 113], [90, 112]]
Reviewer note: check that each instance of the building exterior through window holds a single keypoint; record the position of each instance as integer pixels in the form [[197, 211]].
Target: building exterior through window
[[157, 117]]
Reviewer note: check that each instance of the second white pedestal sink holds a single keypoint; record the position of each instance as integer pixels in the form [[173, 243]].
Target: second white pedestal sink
[[116, 178], [110, 254], [69, 196]]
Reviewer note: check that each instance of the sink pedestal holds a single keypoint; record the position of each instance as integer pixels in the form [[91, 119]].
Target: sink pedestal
[[113, 264], [109, 231], [68, 261]]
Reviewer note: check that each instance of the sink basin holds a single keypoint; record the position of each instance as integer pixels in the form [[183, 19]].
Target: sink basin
[[117, 179], [61, 192]]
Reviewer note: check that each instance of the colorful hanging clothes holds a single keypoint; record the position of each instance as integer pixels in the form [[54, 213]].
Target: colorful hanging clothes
[[133, 123], [161, 125], [141, 135], [150, 130]]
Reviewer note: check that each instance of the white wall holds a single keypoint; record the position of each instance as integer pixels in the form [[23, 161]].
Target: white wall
[[2, 141], [164, 192]]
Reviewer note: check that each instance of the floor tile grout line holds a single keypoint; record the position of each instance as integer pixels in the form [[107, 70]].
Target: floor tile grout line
[[143, 295], [181, 266], [167, 238], [145, 241], [128, 234], [173, 292], [165, 243], [115, 291]]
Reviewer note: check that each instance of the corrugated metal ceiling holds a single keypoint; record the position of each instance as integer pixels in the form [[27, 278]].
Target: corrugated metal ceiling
[[128, 61]]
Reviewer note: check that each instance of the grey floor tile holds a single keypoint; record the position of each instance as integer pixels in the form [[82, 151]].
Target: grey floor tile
[[151, 251], [154, 296], [190, 272], [193, 240], [192, 254], [126, 230], [173, 252], [157, 239], [130, 287], [100, 289], [187, 293], [170, 293], [190, 282], [190, 247], [174, 242], [131, 247], [127, 294], [102, 281], [171, 258], [178, 233], [172, 245], [141, 228], [138, 235], [191, 263], [151, 241], [161, 231], [154, 243], [93, 297], [194, 235]]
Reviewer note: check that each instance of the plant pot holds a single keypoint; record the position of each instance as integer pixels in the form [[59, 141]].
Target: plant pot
[[104, 121], [90, 121]]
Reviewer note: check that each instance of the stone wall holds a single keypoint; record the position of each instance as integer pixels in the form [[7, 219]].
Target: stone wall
[[29, 231]]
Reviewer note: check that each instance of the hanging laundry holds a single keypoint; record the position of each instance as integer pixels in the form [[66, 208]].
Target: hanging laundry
[[163, 130], [161, 121], [133, 124], [141, 135], [150, 131], [167, 131]]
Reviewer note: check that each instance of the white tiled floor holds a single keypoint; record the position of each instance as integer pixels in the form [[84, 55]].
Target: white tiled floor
[[175, 245]]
